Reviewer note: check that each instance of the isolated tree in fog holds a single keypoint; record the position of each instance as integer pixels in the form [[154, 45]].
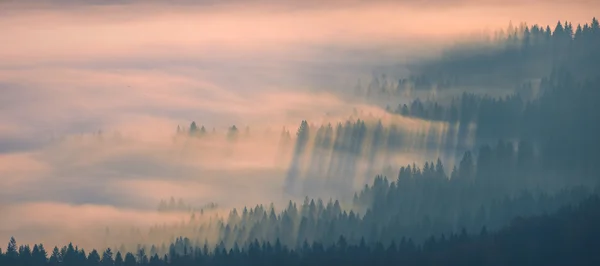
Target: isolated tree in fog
[[193, 128], [232, 133]]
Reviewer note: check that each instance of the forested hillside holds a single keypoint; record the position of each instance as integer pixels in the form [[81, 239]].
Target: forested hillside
[[510, 180], [567, 236]]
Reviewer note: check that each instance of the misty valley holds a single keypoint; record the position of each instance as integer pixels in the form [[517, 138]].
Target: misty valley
[[316, 149]]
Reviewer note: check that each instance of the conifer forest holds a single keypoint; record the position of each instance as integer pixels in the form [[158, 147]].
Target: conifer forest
[[226, 133]]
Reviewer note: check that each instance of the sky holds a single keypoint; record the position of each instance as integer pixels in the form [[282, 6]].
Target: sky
[[136, 69]]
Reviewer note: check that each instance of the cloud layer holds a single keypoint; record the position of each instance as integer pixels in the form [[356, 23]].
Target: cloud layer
[[137, 69]]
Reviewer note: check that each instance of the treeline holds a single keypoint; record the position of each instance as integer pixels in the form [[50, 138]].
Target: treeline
[[516, 55], [547, 161], [511, 58], [332, 157], [194, 131], [559, 130], [562, 122], [179, 205], [421, 201], [554, 145], [567, 237]]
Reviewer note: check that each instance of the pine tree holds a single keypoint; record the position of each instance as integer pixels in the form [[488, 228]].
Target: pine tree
[[93, 258], [39, 255], [439, 169], [107, 257], [193, 128], [129, 260], [118, 259], [55, 257]]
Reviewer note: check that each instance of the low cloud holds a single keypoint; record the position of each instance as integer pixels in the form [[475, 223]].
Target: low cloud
[[135, 71]]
